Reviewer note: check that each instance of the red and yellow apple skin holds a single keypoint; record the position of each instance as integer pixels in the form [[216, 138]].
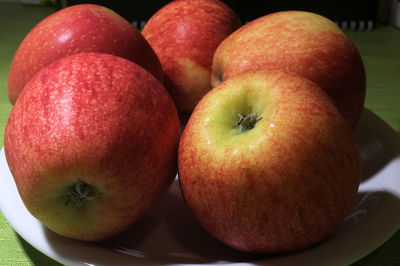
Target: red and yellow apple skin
[[91, 143], [284, 184], [184, 34], [301, 42], [76, 29]]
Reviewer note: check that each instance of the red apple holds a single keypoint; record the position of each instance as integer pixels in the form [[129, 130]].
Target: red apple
[[305, 43], [91, 143], [75, 29], [267, 164], [184, 34]]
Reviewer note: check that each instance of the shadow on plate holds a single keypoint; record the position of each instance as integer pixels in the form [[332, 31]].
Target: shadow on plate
[[378, 143], [170, 234]]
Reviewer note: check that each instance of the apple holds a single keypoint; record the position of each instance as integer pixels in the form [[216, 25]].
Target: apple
[[302, 42], [91, 143], [184, 34], [267, 164], [75, 29]]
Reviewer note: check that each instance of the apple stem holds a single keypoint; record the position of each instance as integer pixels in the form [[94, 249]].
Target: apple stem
[[247, 121], [80, 192]]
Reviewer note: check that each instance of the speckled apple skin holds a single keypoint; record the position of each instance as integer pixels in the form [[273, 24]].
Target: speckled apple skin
[[184, 34], [282, 186], [76, 29], [103, 120], [305, 43]]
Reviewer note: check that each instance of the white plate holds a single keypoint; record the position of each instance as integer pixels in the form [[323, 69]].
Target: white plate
[[168, 234]]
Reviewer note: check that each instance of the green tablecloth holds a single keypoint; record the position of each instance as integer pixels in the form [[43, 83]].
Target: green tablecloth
[[380, 50]]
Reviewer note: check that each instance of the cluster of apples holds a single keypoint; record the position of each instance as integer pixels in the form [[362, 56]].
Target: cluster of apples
[[267, 161]]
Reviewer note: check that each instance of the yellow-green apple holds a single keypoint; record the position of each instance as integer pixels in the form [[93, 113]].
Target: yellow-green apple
[[302, 42], [267, 164], [91, 143], [184, 34], [76, 29]]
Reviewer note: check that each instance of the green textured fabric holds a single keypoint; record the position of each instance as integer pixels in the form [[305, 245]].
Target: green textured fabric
[[14, 250], [380, 50]]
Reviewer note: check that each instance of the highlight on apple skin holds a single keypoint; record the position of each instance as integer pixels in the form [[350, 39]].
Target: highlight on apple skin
[[92, 143], [184, 34], [302, 42], [77, 29], [267, 164]]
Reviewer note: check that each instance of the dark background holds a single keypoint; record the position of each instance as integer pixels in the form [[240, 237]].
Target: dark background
[[361, 14]]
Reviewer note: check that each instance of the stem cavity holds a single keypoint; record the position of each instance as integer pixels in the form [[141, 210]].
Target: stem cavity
[[247, 121], [80, 192]]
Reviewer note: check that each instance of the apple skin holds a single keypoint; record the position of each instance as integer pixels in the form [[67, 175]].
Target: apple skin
[[300, 42], [76, 29], [184, 34], [282, 186], [101, 120]]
